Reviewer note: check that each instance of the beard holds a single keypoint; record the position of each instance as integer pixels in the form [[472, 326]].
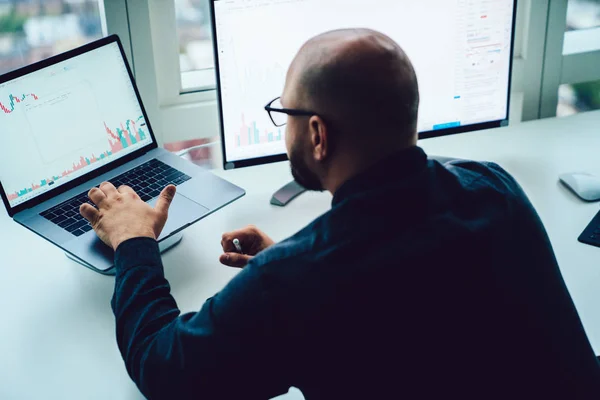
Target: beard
[[302, 173]]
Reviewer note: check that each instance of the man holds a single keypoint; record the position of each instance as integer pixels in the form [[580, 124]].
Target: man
[[423, 281]]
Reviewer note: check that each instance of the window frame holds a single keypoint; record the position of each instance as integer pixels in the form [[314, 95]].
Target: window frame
[[177, 115], [117, 22], [570, 57]]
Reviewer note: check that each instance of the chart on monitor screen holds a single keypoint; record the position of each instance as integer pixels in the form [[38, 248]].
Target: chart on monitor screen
[[460, 50]]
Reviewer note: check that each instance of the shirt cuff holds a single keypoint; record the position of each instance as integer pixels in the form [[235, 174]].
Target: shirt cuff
[[136, 252]]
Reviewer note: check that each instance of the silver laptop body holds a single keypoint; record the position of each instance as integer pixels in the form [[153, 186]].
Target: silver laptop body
[[46, 206]]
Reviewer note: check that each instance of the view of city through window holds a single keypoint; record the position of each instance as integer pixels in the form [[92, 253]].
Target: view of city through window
[[583, 14], [573, 99], [194, 33], [31, 30]]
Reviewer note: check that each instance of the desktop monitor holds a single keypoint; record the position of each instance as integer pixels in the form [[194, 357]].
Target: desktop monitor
[[461, 51]]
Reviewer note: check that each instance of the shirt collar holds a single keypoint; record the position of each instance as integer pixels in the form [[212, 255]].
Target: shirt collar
[[397, 166]]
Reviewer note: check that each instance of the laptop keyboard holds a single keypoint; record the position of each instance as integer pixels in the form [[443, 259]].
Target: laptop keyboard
[[591, 234], [148, 180]]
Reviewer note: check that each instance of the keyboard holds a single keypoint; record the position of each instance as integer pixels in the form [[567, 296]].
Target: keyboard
[[591, 234], [148, 180]]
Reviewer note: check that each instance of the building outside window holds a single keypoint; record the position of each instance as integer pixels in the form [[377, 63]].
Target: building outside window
[[32, 30], [580, 97]]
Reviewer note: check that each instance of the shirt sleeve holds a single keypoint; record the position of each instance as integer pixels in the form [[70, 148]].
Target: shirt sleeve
[[555, 337], [229, 349]]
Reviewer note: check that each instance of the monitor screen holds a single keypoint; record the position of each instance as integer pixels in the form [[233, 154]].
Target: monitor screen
[[66, 120], [461, 51]]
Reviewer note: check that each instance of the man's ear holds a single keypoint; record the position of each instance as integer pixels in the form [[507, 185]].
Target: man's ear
[[319, 138]]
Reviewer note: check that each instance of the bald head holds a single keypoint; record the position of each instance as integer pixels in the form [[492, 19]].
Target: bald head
[[358, 80]]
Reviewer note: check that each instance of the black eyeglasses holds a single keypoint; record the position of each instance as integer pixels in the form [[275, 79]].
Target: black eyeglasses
[[279, 114]]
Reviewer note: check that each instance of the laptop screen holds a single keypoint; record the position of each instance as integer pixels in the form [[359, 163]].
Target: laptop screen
[[66, 120]]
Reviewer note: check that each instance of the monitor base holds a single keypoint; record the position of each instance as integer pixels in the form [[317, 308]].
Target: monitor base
[[286, 194], [163, 246]]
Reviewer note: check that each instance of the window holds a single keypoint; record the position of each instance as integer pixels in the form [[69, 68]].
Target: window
[[34, 30], [196, 59], [583, 14], [202, 152], [580, 88], [578, 97], [557, 44], [582, 30]]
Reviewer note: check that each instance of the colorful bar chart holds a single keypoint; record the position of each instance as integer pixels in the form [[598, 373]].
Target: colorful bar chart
[[126, 135], [249, 135], [14, 100]]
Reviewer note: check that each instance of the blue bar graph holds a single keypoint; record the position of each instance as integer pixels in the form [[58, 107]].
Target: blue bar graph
[[254, 133], [446, 126]]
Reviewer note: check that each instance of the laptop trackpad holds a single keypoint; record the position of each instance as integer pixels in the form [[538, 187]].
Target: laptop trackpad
[[183, 212]]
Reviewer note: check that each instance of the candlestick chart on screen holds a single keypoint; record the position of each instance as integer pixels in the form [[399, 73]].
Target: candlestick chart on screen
[[128, 133]]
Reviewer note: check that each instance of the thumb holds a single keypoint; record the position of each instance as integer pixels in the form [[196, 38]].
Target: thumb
[[235, 260], [164, 199]]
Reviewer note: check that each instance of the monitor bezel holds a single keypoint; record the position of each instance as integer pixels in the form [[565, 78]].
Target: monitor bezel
[[99, 171], [422, 135]]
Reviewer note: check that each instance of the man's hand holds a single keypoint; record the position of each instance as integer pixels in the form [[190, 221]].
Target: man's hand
[[122, 215], [252, 241]]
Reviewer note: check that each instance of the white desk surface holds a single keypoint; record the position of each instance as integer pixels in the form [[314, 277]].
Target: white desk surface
[[57, 338]]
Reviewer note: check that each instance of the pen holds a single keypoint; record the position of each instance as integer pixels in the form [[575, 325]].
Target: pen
[[237, 245]]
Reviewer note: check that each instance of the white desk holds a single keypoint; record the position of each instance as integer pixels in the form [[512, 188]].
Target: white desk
[[57, 337]]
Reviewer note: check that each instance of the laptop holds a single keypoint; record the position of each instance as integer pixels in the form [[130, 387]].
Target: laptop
[[71, 122]]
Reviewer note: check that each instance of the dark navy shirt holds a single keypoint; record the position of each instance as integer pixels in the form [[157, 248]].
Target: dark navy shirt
[[423, 281]]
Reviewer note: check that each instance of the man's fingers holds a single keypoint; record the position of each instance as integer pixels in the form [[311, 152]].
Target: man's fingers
[[88, 212], [246, 236], [235, 260], [227, 244], [165, 199], [108, 188], [96, 195], [124, 189]]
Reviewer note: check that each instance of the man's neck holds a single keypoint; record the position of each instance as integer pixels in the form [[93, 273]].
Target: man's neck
[[352, 164]]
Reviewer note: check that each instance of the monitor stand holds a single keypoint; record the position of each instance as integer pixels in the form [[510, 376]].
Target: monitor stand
[[286, 194], [163, 246]]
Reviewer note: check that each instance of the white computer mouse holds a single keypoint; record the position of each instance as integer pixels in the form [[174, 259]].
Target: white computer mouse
[[584, 185]]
